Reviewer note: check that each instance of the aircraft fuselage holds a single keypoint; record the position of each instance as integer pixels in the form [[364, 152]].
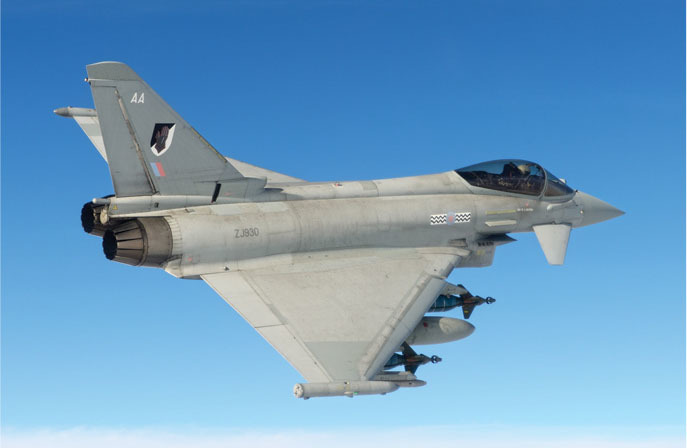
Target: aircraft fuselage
[[426, 211]]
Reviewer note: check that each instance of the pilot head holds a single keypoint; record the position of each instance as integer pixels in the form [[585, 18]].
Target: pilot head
[[524, 169]]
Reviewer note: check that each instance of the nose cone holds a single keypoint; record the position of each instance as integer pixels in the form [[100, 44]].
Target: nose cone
[[595, 210]]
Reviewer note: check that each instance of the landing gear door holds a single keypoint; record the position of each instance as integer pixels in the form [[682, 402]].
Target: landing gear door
[[481, 256]]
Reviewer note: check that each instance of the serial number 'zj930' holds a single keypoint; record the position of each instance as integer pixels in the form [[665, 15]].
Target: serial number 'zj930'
[[246, 232]]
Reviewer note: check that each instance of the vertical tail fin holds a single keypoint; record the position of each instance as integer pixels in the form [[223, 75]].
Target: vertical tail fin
[[150, 148]]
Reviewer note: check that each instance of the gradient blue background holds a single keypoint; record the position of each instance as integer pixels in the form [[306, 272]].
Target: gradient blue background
[[592, 90]]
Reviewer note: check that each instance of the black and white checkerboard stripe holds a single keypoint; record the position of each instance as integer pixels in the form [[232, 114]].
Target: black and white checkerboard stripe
[[435, 220], [449, 218], [463, 217]]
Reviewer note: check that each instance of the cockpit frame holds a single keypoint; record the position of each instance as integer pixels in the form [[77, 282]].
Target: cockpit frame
[[520, 177]]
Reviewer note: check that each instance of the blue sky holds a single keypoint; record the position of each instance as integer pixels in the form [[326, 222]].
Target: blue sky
[[344, 90]]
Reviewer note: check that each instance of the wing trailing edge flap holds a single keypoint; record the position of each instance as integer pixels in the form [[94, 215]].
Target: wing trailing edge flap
[[338, 315]]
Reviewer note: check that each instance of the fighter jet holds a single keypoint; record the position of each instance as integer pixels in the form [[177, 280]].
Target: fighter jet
[[336, 276]]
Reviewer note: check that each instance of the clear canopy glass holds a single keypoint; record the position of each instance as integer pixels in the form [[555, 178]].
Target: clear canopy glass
[[514, 176], [556, 186]]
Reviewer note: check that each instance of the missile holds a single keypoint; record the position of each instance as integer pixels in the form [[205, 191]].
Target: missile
[[448, 301], [409, 359]]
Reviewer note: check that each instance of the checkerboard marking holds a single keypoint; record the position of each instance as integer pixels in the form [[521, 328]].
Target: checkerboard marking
[[435, 220]]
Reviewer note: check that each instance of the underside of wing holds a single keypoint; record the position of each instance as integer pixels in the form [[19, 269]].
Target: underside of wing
[[338, 315]]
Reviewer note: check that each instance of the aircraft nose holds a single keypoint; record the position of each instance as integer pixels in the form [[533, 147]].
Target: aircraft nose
[[594, 209]]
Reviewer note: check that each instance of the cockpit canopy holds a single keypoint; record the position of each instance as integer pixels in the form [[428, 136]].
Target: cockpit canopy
[[514, 176]]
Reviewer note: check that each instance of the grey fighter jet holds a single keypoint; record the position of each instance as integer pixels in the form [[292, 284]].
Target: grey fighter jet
[[336, 276]]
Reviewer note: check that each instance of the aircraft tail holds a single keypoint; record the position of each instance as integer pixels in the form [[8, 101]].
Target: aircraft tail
[[150, 148]]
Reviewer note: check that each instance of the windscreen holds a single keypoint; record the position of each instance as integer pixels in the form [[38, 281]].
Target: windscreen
[[513, 176], [556, 187]]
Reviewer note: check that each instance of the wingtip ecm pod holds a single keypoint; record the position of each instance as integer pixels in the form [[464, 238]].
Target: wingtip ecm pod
[[73, 112], [343, 389]]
